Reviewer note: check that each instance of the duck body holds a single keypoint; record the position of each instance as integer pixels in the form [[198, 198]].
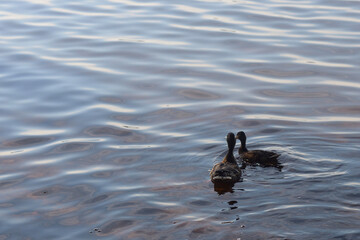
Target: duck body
[[227, 171], [260, 157], [264, 158]]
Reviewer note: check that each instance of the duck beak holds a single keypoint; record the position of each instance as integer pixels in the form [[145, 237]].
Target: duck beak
[[236, 137]]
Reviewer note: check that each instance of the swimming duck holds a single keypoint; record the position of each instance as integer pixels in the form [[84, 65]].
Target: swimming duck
[[227, 171], [263, 158]]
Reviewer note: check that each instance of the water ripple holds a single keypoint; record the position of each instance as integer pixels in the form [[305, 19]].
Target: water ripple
[[114, 112]]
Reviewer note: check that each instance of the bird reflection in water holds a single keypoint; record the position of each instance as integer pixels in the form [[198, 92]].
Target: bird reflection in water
[[222, 188]]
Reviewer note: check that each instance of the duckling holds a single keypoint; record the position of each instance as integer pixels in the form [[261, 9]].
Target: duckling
[[263, 158], [227, 171]]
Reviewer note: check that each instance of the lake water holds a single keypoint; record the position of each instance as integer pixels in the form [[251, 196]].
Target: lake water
[[113, 112]]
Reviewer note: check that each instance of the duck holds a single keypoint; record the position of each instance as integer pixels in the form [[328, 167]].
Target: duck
[[227, 171], [260, 157]]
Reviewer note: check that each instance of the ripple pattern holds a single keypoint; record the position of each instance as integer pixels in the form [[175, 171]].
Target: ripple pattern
[[114, 111]]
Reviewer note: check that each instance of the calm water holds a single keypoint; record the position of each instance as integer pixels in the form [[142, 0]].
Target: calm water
[[113, 112]]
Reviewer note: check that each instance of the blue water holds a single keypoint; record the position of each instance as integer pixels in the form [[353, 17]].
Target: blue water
[[113, 112]]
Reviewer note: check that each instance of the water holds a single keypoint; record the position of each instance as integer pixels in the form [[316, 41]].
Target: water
[[114, 111]]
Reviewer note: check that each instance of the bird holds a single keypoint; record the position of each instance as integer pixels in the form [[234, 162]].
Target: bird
[[227, 171], [260, 157]]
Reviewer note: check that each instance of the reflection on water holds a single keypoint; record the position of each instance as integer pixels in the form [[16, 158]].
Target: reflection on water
[[113, 113], [223, 188]]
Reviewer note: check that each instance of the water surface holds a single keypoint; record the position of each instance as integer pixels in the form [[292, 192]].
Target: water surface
[[114, 111]]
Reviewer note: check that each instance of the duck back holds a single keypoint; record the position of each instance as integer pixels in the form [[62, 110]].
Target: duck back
[[225, 173], [261, 157]]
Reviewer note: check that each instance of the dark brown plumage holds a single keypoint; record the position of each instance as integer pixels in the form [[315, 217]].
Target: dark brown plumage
[[227, 171], [263, 158]]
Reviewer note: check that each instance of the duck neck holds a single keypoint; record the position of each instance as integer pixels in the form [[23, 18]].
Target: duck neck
[[243, 147], [230, 156]]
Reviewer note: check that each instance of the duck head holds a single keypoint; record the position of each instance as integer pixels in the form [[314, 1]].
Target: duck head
[[242, 137], [231, 141]]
